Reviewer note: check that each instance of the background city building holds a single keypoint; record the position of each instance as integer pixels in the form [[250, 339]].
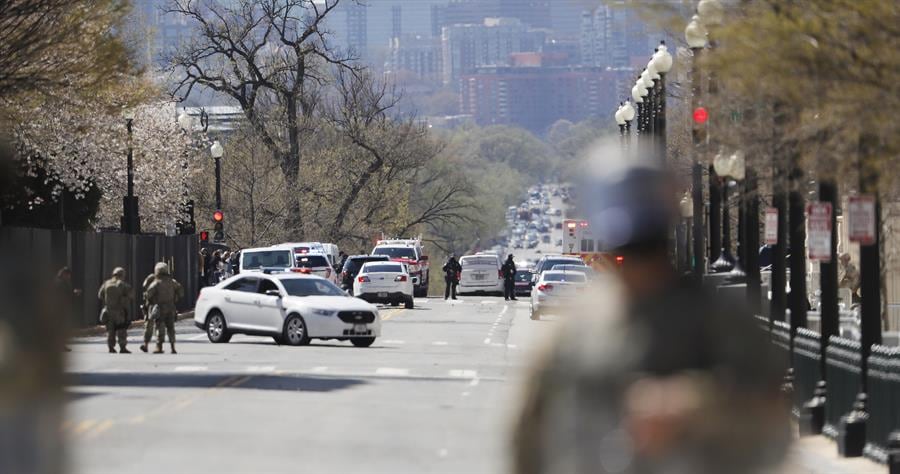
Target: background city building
[[467, 47]]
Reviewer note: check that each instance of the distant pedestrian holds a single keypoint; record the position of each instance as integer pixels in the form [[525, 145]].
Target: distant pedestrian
[[509, 278], [848, 277], [204, 265], [214, 270], [342, 259], [163, 294], [65, 296], [234, 262], [451, 276], [149, 324], [116, 297]]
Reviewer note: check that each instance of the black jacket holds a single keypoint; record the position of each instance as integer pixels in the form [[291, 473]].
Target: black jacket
[[452, 268], [509, 270]]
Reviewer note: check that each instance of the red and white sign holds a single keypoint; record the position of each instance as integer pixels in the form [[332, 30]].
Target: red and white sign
[[861, 219], [771, 232], [818, 231]]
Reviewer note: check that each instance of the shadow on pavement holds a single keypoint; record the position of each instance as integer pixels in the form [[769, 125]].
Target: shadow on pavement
[[224, 381]]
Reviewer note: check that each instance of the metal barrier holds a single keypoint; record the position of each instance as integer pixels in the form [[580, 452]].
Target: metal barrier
[[781, 337], [805, 360], [883, 402], [92, 256], [843, 362]]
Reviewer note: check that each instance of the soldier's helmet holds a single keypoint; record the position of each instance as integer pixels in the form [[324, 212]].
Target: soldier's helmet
[[161, 269], [118, 272]]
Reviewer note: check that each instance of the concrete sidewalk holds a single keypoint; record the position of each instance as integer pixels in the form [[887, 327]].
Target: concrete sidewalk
[[819, 455]]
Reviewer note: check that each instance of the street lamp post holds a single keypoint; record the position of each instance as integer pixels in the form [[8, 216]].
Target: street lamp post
[[696, 36], [661, 63], [620, 121], [187, 212], [722, 167], [217, 151], [628, 115], [131, 221]]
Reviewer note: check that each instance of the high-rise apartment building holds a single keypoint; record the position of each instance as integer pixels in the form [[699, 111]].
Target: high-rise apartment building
[[491, 43], [615, 37], [357, 22], [415, 56]]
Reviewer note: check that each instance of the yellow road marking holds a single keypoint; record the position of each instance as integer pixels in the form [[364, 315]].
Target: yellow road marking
[[103, 426], [391, 314], [84, 426]]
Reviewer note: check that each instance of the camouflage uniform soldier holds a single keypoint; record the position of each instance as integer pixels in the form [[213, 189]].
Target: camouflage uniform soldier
[[116, 297], [163, 294], [149, 323]]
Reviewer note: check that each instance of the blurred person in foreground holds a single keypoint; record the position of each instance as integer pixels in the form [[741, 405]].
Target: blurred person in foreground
[[650, 375]]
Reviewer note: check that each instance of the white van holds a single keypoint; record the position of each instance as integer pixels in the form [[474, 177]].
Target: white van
[[330, 251], [259, 259]]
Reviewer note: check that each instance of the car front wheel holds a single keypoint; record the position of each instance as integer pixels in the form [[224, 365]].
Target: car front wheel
[[363, 341], [295, 333], [216, 328]]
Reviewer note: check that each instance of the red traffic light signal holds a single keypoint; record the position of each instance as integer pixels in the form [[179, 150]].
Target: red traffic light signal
[[204, 236], [700, 115], [218, 216]]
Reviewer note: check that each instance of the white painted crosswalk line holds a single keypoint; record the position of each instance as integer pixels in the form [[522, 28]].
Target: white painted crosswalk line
[[391, 371], [393, 341], [191, 368], [462, 373], [319, 369], [198, 337]]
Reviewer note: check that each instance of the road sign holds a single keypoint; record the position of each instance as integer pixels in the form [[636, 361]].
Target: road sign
[[861, 219], [818, 231], [771, 226]]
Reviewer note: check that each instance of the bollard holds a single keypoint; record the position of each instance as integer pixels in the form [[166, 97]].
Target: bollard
[[851, 438], [893, 452], [812, 414]]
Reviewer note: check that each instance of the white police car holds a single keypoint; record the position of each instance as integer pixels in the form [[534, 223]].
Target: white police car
[[291, 307]]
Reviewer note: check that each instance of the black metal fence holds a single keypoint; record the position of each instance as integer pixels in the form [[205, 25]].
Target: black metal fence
[[843, 365], [92, 256], [781, 337], [805, 360], [883, 399]]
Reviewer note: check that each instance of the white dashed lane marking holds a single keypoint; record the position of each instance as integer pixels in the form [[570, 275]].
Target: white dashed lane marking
[[391, 371], [191, 368], [439, 343], [392, 341], [462, 373]]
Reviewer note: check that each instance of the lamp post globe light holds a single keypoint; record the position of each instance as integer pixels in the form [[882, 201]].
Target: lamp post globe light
[[695, 34], [217, 152], [131, 221], [728, 168], [711, 12], [620, 121]]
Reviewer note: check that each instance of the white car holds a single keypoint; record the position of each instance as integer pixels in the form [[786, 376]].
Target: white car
[[292, 308], [317, 265], [385, 282], [480, 273], [410, 252], [256, 260], [555, 290]]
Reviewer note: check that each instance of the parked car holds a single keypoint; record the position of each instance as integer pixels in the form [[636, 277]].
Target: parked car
[[523, 282], [386, 283], [555, 291], [352, 266], [412, 253], [292, 308], [480, 274]]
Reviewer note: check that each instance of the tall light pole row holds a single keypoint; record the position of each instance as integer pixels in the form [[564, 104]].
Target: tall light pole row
[[649, 93]]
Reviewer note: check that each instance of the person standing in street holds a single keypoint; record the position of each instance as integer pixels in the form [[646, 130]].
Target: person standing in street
[[163, 294], [509, 278], [65, 296], [451, 276], [149, 324], [204, 264], [115, 296], [651, 374]]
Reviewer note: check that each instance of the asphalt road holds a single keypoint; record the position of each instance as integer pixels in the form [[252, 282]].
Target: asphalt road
[[435, 394]]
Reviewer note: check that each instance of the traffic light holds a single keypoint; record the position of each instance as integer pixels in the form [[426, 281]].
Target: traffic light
[[204, 236], [219, 227]]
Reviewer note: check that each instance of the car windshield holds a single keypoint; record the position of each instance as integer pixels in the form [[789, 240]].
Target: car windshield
[[551, 263], [478, 261], [396, 252], [354, 264], [382, 268], [311, 261], [565, 277], [310, 287], [266, 258]]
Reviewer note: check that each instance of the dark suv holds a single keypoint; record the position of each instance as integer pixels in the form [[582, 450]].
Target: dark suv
[[352, 266]]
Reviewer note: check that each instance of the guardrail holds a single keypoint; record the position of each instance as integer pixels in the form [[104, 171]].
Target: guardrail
[[843, 362], [805, 360]]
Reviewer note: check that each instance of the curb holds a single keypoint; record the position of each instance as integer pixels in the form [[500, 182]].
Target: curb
[[101, 330]]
